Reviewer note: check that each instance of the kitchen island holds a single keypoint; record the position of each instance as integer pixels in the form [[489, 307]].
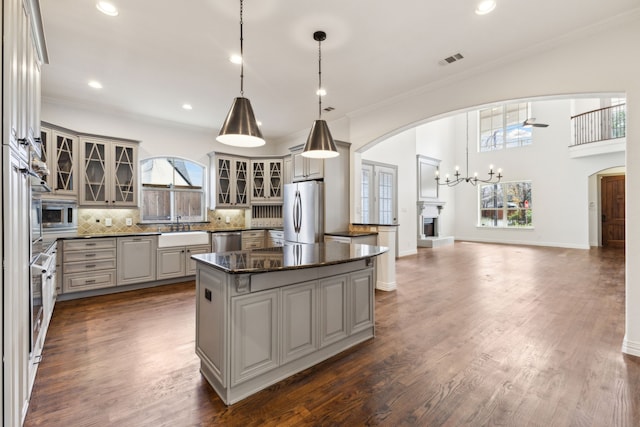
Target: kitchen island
[[263, 315]]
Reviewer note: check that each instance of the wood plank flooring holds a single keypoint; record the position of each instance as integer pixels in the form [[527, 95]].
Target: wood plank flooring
[[475, 335]]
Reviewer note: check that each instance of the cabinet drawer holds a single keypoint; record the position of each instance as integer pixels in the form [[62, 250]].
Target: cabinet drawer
[[83, 281], [84, 244], [89, 266], [253, 244], [89, 255], [253, 234]]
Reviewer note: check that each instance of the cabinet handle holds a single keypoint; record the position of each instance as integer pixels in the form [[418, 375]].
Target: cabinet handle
[[89, 266], [138, 239], [89, 244], [90, 281], [182, 251], [23, 141], [89, 255]]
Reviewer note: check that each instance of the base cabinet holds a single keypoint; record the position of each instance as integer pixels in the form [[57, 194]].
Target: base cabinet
[[249, 340], [88, 264], [136, 259], [176, 261]]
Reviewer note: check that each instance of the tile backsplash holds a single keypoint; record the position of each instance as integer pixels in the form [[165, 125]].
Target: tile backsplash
[[94, 221]]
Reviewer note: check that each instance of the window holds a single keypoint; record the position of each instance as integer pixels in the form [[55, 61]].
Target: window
[[172, 188], [378, 193], [506, 204], [502, 127]]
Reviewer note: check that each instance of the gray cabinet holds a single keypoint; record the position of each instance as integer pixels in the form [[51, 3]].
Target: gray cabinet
[[108, 172], [361, 300], [253, 239], [332, 303], [232, 185], [176, 261], [305, 168], [371, 239], [266, 181], [211, 322], [88, 264], [60, 152], [254, 339], [136, 259], [275, 238], [299, 324]]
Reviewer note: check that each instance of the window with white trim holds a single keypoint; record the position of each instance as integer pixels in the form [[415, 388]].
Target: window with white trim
[[172, 188], [506, 205], [502, 127]]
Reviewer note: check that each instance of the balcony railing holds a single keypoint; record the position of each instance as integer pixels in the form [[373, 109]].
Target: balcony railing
[[599, 125]]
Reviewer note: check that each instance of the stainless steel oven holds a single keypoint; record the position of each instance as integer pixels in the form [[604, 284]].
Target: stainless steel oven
[[59, 215]]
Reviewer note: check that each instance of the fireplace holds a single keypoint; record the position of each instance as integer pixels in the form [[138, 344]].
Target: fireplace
[[429, 234]]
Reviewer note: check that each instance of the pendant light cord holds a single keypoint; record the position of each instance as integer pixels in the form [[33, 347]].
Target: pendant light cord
[[241, 55], [319, 79]]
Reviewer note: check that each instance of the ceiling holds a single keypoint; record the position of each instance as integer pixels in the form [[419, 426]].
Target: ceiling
[[157, 55]]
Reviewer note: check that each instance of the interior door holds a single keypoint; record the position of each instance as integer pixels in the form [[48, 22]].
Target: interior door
[[613, 210]]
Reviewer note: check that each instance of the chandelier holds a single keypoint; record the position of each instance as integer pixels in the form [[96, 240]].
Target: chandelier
[[494, 177]]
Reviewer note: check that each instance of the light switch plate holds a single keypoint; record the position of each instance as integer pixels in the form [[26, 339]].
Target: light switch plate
[[128, 221], [108, 222]]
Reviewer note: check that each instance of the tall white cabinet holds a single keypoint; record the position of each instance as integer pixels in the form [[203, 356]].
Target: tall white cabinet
[[23, 52]]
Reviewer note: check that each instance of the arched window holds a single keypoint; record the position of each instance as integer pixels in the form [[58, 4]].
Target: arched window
[[172, 188]]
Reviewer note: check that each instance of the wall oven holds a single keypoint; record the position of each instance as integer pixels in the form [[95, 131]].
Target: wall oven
[[59, 215]]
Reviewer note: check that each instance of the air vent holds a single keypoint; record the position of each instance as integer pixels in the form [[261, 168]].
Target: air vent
[[328, 109], [451, 59]]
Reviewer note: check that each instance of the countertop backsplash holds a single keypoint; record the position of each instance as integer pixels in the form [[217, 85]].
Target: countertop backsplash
[[94, 221]]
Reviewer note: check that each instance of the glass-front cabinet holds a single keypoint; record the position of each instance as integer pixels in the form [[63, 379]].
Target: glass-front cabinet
[[267, 181], [60, 153], [232, 182], [108, 172]]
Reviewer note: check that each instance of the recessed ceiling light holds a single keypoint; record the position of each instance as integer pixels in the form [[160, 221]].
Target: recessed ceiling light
[[321, 92], [485, 6], [187, 106], [236, 59], [107, 8], [95, 84]]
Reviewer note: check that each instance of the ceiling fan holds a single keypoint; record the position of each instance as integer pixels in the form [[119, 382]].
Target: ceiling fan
[[532, 122]]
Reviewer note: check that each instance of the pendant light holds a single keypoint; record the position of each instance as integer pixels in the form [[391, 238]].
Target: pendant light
[[240, 128], [320, 143]]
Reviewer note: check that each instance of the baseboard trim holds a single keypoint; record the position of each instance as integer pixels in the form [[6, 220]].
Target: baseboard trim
[[630, 347], [386, 286], [525, 243]]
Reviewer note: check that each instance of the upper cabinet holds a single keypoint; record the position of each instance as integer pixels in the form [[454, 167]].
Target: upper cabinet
[[108, 172], [60, 152], [305, 168], [232, 182], [266, 181]]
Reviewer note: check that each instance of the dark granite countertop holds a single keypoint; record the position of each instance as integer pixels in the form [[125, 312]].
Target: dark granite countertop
[[352, 233], [288, 257], [73, 235]]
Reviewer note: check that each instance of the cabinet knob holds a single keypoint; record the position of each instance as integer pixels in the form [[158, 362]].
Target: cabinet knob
[[23, 141]]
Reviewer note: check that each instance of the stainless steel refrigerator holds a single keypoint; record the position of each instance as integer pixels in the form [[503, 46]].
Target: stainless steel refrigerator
[[304, 212]]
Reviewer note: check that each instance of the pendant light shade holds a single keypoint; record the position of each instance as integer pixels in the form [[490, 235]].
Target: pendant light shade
[[320, 143], [240, 128]]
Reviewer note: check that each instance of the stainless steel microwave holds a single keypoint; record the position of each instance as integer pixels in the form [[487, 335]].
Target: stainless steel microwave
[[59, 215]]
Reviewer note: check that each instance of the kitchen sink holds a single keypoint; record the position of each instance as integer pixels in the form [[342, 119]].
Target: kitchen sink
[[183, 238]]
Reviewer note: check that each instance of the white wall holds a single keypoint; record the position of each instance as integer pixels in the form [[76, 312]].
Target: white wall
[[400, 151]]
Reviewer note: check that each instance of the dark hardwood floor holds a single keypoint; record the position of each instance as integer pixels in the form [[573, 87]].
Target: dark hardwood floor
[[475, 335]]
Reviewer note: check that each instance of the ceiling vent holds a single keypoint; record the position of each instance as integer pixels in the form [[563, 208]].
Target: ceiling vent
[[451, 59], [329, 109]]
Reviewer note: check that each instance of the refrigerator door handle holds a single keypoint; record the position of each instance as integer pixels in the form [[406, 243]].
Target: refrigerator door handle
[[296, 212]]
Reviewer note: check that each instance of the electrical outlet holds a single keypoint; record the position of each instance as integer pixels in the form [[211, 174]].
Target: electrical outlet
[[128, 221], [107, 222], [227, 220]]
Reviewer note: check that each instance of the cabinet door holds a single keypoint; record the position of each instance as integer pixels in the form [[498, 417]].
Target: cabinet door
[[48, 154], [241, 170], [332, 294], [194, 250], [123, 168], [276, 180], [315, 168], [299, 172], [306, 168], [94, 190], [299, 328], [171, 263], [64, 164], [254, 335], [361, 302], [259, 181], [223, 189], [136, 259]]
